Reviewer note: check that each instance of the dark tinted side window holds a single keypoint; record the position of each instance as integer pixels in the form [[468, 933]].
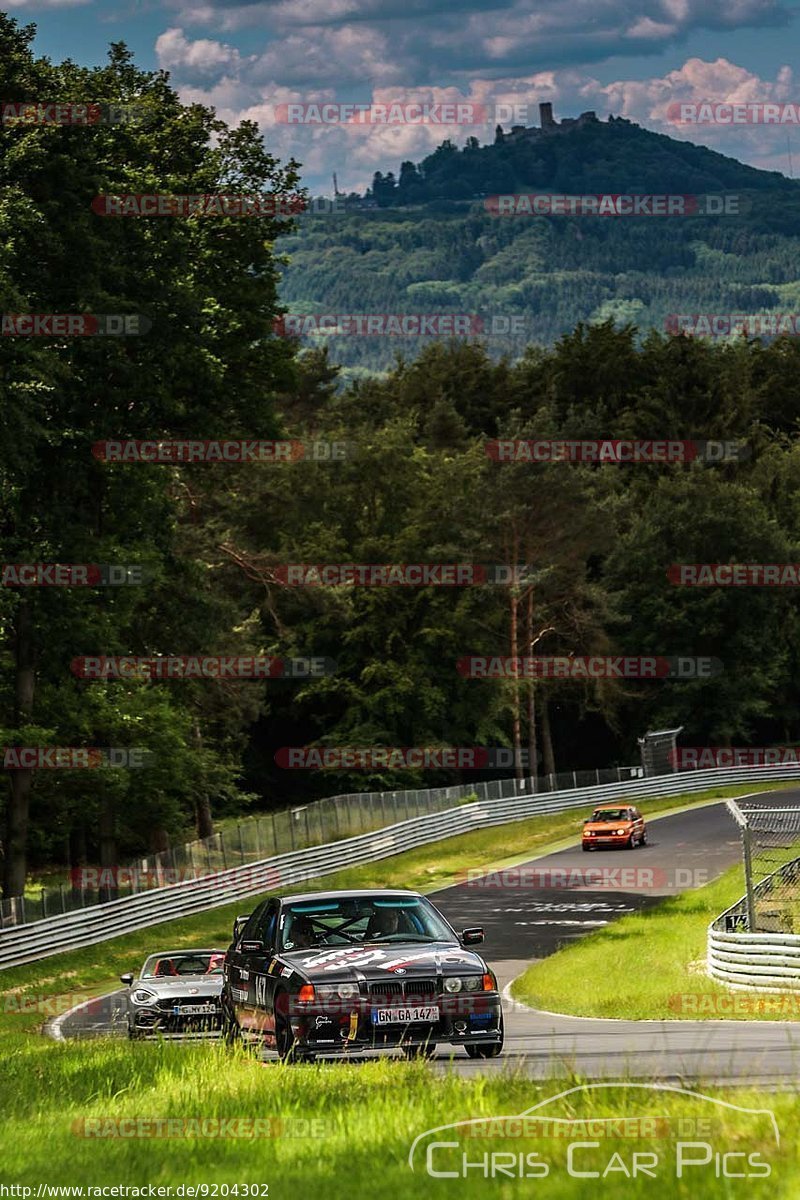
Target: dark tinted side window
[[250, 932]]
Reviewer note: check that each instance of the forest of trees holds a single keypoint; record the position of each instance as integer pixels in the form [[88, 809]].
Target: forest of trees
[[418, 487]]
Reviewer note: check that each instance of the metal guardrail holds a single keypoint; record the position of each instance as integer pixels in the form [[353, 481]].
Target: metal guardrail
[[317, 823], [28, 943], [743, 958]]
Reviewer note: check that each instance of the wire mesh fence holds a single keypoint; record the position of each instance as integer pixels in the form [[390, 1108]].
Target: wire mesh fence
[[254, 839], [771, 861]]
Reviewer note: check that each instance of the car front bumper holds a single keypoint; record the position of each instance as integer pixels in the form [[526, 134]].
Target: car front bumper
[[147, 1021], [473, 1021]]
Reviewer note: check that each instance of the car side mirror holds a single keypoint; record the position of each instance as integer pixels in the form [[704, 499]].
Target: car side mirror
[[472, 937], [239, 924], [256, 946], [127, 979]]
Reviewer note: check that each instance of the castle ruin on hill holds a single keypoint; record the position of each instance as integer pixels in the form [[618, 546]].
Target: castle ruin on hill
[[548, 126]]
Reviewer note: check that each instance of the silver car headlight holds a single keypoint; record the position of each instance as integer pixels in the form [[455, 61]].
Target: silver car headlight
[[348, 991], [620, 832], [452, 984], [142, 996], [473, 983]]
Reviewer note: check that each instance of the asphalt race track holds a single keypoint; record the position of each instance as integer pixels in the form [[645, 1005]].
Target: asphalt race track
[[525, 919]]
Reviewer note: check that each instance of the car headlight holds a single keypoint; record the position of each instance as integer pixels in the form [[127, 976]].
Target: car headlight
[[620, 831], [142, 996], [452, 984], [347, 991], [472, 983]]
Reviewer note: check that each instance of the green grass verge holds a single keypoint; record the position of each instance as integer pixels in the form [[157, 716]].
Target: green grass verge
[[362, 1118], [658, 971]]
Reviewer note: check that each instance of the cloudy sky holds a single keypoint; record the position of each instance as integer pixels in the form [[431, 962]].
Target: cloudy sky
[[614, 56]]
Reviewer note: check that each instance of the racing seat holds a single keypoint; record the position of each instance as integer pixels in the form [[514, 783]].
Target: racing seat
[[165, 966]]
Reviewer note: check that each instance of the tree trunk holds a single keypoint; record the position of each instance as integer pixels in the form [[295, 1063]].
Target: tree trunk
[[108, 849], [77, 854], [517, 723], [547, 740], [202, 805], [533, 748], [21, 782]]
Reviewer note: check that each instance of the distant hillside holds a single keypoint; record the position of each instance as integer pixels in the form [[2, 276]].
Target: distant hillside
[[424, 242]]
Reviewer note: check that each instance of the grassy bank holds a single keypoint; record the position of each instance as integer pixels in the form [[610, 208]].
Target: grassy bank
[[658, 971], [347, 1129]]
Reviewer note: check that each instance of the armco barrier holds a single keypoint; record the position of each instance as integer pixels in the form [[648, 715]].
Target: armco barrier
[[86, 927], [759, 962]]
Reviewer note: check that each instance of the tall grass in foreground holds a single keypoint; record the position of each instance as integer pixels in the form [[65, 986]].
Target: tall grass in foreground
[[368, 1114]]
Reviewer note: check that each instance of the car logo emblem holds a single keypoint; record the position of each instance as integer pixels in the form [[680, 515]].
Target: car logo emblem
[[400, 971], [193, 991]]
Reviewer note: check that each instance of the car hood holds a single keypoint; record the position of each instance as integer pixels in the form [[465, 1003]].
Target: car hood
[[608, 826], [403, 959], [187, 985]]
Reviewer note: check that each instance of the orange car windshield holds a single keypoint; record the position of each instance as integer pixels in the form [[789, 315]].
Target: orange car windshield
[[610, 814]]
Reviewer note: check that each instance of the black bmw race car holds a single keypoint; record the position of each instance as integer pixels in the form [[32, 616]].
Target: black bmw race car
[[343, 972], [177, 993]]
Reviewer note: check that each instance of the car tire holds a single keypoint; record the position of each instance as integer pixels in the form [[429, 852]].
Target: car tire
[[231, 1029], [133, 1034], [631, 843], [643, 839], [493, 1050], [585, 846], [285, 1044]]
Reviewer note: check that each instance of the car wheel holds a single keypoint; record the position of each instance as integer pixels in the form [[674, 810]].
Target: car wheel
[[285, 1044], [489, 1051], [631, 843], [133, 1034], [585, 846], [231, 1029], [643, 839]]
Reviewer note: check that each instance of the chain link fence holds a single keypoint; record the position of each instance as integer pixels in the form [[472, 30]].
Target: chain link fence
[[256, 838], [771, 859]]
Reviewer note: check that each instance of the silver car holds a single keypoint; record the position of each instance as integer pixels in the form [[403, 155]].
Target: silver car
[[176, 994]]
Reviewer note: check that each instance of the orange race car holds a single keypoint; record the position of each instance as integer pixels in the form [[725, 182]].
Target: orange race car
[[614, 827]]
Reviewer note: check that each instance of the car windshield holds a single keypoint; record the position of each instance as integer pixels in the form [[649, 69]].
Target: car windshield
[[170, 966], [360, 921], [610, 814]]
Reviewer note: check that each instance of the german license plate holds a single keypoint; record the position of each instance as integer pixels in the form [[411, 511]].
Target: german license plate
[[405, 1016], [194, 1010]]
